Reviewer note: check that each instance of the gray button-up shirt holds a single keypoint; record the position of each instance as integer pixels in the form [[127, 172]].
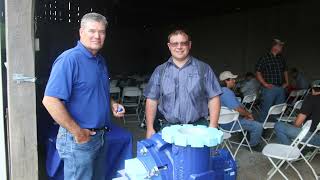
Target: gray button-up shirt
[[182, 98]]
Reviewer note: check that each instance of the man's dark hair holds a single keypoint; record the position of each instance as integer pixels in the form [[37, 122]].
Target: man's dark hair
[[223, 83], [179, 31]]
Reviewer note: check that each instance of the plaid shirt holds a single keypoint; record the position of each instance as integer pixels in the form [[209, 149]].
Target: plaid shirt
[[272, 68]]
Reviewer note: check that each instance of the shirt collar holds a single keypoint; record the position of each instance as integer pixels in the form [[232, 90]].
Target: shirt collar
[[190, 61], [85, 51], [270, 53]]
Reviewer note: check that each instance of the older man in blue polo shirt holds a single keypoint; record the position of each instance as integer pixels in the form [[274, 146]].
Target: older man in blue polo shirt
[[183, 89], [77, 98]]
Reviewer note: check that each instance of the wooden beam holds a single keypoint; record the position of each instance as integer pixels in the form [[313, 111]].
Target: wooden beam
[[22, 128]]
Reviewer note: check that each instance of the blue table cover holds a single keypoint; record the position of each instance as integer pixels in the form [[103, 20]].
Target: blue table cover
[[119, 144]]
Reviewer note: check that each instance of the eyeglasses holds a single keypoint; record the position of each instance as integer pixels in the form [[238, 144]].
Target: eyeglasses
[[176, 44]]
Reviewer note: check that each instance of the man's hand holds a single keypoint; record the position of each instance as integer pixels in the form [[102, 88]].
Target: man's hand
[[118, 110], [150, 132], [250, 117], [269, 86], [213, 125], [83, 135], [285, 85]]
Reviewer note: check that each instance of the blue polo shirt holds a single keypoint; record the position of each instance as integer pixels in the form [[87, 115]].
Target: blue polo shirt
[[81, 81], [229, 99]]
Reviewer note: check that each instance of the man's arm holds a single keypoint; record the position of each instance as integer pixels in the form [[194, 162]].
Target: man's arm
[[262, 81], [60, 114], [299, 120], [117, 109], [214, 111], [286, 79], [151, 111], [243, 112]]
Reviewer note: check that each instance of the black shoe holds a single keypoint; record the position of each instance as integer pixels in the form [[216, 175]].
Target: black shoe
[[257, 148]]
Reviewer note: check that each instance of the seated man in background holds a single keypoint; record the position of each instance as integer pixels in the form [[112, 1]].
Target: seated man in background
[[310, 110], [299, 81], [229, 100], [250, 85]]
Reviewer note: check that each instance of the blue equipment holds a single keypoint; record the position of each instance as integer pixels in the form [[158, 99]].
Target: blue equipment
[[181, 152]]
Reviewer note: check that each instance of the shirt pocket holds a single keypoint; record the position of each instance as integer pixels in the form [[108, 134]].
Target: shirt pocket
[[194, 85], [195, 93], [168, 96]]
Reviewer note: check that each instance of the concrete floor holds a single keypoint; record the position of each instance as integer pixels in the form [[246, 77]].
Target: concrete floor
[[251, 166]]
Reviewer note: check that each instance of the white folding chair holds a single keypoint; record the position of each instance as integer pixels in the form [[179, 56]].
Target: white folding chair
[[115, 93], [131, 99], [142, 106], [143, 85], [113, 83], [316, 148], [295, 95], [230, 116], [287, 153], [249, 100], [278, 109], [293, 114], [307, 92]]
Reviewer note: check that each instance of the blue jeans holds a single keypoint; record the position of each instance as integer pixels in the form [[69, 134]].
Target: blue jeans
[[286, 133], [270, 97], [85, 161], [253, 127]]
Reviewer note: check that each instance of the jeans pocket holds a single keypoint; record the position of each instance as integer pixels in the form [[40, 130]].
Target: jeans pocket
[[61, 141], [93, 143]]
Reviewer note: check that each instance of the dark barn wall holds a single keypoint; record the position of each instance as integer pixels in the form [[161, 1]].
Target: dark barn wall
[[227, 42], [233, 41], [236, 41]]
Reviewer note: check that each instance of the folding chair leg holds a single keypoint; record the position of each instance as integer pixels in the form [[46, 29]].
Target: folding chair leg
[[240, 144], [264, 140], [295, 170], [233, 155], [143, 121], [246, 139], [314, 153], [270, 136], [277, 168], [272, 169], [229, 143], [313, 171]]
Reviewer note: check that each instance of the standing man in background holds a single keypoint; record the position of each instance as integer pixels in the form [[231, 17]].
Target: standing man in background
[[183, 89], [77, 98], [272, 73]]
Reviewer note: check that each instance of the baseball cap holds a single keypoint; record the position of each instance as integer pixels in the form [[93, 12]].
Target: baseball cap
[[316, 83], [277, 41], [227, 75]]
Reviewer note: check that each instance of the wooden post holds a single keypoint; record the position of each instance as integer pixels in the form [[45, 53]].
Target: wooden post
[[22, 128]]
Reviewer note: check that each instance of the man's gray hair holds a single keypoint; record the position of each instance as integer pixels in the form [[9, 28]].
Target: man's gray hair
[[96, 17]]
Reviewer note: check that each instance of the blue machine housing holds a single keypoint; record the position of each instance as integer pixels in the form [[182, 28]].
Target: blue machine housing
[[160, 160]]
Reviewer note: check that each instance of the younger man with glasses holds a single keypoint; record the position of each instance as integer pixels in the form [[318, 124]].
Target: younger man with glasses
[[183, 89]]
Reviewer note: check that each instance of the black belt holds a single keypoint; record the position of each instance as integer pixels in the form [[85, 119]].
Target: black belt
[[100, 129], [180, 123]]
